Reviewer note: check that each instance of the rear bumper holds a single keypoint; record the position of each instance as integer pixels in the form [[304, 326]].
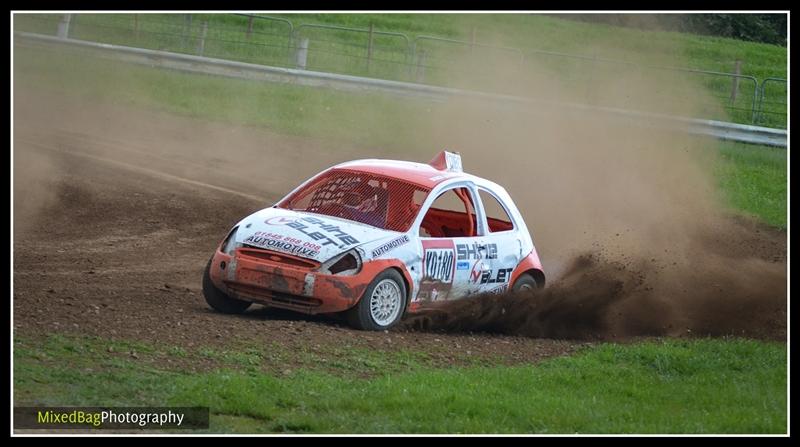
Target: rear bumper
[[289, 287]]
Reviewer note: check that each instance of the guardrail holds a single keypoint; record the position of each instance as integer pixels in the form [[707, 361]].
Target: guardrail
[[199, 64]]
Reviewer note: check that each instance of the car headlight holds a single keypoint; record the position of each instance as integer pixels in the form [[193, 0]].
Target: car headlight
[[229, 244], [347, 263]]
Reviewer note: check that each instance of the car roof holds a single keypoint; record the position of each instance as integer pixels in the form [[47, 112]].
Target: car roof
[[418, 173]]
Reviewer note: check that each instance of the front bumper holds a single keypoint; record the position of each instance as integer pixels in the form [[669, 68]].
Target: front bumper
[[295, 287]]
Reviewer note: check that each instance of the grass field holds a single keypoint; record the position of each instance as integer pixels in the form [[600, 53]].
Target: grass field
[[755, 180], [445, 63], [670, 386]]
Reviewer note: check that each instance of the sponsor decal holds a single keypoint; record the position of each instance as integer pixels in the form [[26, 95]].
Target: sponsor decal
[[439, 264], [462, 265], [499, 289], [490, 277], [476, 251], [328, 236], [389, 246], [279, 220], [438, 267], [477, 271], [284, 244]]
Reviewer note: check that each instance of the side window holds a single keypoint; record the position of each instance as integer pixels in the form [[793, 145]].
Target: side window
[[496, 215], [452, 214]]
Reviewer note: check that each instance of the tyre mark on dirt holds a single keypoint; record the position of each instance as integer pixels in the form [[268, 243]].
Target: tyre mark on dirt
[[147, 171]]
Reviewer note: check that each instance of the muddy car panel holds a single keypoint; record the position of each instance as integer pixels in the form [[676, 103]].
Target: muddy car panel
[[295, 287]]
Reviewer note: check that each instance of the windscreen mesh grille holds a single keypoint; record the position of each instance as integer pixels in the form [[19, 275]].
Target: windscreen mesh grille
[[381, 201]]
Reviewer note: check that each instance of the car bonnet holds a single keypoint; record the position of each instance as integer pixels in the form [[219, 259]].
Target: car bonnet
[[307, 235]]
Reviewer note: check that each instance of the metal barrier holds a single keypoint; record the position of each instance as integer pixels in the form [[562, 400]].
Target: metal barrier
[[734, 90], [251, 20], [349, 50], [430, 60], [265, 40], [777, 109], [252, 17]]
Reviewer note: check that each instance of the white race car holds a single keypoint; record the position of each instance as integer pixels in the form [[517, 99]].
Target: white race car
[[376, 239]]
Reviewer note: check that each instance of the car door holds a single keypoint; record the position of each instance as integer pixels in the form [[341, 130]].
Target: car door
[[503, 247], [449, 243]]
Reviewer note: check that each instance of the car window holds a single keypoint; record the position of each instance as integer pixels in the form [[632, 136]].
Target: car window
[[452, 214], [372, 199], [496, 215]]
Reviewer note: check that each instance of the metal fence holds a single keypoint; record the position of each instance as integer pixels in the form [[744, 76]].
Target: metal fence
[[360, 52], [772, 106], [431, 60]]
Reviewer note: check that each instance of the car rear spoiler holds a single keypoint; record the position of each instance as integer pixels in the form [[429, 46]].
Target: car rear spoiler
[[447, 161]]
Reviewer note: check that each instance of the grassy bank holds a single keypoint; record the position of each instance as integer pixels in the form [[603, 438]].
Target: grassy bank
[[525, 31], [753, 178], [419, 55], [676, 386]]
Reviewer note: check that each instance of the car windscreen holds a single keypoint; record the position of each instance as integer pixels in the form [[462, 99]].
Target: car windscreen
[[379, 201]]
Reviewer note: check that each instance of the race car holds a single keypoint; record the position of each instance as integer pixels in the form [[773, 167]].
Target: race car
[[375, 239]]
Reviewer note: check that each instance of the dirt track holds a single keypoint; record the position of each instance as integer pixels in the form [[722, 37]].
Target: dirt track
[[117, 210], [112, 238]]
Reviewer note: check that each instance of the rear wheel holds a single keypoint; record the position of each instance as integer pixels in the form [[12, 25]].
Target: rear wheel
[[219, 300], [382, 304], [525, 283]]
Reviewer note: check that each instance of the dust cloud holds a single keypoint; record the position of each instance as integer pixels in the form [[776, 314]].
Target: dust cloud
[[628, 221], [33, 187]]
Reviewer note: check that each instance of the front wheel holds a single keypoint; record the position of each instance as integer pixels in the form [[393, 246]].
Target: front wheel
[[382, 304], [219, 300]]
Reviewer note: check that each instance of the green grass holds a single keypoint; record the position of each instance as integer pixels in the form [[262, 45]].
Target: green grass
[[675, 386], [451, 64], [754, 179]]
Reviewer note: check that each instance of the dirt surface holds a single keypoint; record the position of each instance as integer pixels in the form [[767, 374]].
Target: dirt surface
[[117, 210], [112, 232], [601, 298]]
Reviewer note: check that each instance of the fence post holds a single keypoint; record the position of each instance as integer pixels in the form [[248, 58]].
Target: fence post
[[63, 26], [760, 89], [187, 29], [369, 46], [291, 48], [136, 26], [421, 66], [411, 56], [201, 47], [737, 69], [249, 27], [301, 56]]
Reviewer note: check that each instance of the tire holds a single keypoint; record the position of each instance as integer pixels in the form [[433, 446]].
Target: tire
[[218, 300], [525, 282], [367, 314]]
